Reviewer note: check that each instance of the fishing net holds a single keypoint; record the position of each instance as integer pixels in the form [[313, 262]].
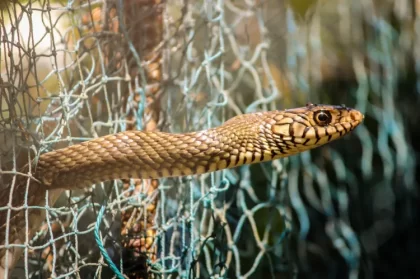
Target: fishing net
[[76, 70]]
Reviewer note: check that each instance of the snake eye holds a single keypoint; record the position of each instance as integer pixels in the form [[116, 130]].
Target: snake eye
[[323, 118]]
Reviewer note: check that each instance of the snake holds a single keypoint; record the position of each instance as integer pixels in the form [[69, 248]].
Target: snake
[[242, 140]]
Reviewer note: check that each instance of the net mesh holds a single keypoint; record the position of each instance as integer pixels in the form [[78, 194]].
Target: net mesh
[[76, 70]]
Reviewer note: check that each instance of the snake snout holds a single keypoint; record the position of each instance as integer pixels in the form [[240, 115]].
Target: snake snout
[[356, 116]]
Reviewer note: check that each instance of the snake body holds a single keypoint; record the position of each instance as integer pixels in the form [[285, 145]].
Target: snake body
[[244, 139]]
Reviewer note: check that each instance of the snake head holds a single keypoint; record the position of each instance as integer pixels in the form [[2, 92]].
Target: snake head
[[299, 129]]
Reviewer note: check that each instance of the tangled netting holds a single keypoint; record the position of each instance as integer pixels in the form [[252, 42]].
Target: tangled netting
[[75, 70]]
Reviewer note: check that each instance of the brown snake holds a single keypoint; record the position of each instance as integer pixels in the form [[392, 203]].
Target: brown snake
[[244, 139]]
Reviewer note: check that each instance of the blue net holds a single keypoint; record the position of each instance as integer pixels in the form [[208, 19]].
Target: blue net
[[75, 70]]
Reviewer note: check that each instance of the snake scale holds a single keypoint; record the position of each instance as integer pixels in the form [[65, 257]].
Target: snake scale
[[244, 139]]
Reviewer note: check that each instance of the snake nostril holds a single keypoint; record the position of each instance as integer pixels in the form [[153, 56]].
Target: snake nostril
[[356, 115]]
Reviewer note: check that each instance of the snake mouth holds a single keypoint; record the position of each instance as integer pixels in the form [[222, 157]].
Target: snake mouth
[[319, 135]]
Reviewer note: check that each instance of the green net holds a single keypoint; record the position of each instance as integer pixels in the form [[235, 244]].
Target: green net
[[76, 70]]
